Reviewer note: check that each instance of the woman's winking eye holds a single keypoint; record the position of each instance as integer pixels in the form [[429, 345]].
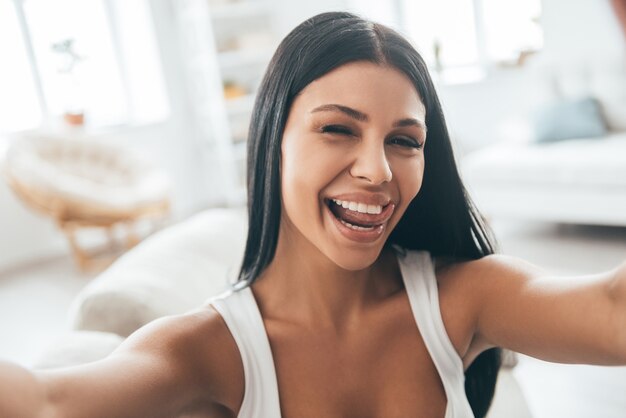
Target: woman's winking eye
[[401, 140]]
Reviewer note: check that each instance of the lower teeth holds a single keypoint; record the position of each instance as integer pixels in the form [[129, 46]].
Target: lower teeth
[[356, 228]]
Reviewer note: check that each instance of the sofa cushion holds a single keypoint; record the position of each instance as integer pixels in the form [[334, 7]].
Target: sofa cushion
[[569, 119], [105, 177], [598, 163], [171, 272], [602, 77], [574, 181]]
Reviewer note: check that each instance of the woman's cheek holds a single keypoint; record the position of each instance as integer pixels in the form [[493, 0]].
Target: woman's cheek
[[409, 175], [301, 173]]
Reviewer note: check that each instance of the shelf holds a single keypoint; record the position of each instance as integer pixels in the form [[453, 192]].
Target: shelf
[[239, 10], [239, 150], [191, 11], [242, 58], [243, 104], [241, 37]]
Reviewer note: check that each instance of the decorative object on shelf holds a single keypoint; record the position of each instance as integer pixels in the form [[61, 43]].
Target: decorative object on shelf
[[83, 183], [74, 114], [253, 42], [437, 55], [233, 90]]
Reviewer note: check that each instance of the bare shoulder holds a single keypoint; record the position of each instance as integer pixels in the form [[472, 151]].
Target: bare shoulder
[[487, 270], [466, 286], [200, 342], [223, 362], [181, 363], [198, 347], [469, 283]]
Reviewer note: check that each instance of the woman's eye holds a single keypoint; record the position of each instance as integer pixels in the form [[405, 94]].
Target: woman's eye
[[403, 141], [406, 142], [336, 129]]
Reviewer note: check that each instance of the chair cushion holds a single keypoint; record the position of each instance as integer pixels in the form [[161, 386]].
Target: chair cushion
[[86, 171]]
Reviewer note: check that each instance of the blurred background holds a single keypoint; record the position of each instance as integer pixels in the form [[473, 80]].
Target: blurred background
[[534, 92]]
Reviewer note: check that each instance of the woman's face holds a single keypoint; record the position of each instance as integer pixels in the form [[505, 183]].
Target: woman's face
[[351, 162]]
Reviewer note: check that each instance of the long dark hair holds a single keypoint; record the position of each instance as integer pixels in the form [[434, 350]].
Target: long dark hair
[[441, 219]]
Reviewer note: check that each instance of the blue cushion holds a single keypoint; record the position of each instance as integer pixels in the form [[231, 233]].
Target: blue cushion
[[568, 119]]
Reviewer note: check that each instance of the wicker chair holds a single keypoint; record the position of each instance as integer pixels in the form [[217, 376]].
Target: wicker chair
[[86, 183]]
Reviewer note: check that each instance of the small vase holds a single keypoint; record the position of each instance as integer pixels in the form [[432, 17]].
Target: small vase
[[74, 119]]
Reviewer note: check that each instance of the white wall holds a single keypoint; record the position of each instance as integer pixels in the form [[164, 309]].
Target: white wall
[[574, 28], [290, 13], [478, 113]]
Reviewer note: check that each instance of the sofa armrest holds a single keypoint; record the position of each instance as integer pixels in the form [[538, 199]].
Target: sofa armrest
[[171, 272], [78, 347]]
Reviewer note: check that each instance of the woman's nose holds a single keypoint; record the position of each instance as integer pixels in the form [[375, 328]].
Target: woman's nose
[[371, 164]]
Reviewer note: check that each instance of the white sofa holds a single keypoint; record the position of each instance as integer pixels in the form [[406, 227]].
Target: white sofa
[[171, 272], [571, 181]]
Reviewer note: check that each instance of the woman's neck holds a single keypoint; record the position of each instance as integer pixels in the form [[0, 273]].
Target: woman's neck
[[304, 286]]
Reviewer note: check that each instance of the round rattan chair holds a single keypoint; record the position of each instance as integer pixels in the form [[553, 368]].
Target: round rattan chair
[[86, 183]]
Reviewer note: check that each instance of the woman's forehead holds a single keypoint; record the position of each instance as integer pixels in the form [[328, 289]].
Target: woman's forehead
[[365, 86]]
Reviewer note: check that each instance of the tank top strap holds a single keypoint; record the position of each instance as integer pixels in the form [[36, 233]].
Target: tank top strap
[[418, 274], [241, 314]]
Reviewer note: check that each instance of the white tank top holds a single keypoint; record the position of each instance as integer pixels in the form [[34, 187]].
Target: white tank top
[[243, 318]]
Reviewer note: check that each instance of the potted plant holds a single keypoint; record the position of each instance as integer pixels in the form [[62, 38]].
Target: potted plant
[[74, 113]]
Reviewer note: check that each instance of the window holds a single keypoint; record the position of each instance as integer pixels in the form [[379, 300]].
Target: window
[[93, 56], [464, 37], [19, 105], [457, 35], [511, 28], [444, 31]]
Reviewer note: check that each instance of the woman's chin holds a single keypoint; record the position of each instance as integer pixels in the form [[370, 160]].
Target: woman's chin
[[355, 260]]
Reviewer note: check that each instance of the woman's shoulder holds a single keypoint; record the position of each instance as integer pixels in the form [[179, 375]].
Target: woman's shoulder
[[474, 271], [203, 349], [459, 283], [467, 277], [218, 355]]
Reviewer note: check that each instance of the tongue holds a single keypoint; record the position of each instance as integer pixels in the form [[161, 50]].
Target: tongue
[[353, 217]]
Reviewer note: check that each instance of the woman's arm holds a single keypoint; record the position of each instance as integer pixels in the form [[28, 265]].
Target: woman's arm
[[561, 319], [156, 372], [21, 394]]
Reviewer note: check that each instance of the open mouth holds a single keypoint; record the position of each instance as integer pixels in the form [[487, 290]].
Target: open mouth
[[361, 217]]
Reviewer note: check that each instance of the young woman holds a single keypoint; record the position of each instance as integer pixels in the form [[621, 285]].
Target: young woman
[[369, 285]]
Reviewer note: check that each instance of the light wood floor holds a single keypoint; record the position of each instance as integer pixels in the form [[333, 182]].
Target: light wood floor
[[34, 303]]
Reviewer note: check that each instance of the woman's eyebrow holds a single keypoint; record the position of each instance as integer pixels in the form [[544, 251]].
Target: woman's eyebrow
[[362, 117], [353, 113], [410, 122]]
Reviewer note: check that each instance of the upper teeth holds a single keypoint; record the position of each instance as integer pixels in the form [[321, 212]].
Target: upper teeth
[[359, 207]]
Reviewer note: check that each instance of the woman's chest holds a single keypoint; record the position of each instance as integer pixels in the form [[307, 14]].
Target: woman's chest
[[383, 371]]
